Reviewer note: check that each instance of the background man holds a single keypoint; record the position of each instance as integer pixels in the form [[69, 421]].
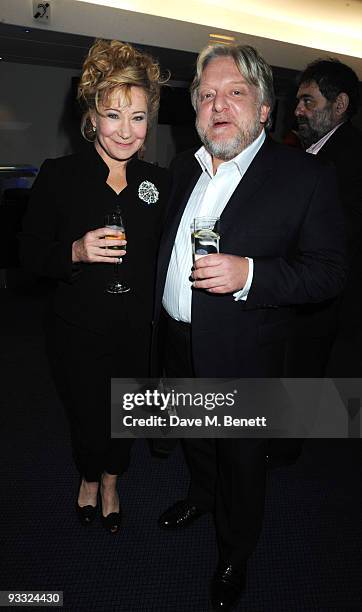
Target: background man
[[328, 97], [281, 244]]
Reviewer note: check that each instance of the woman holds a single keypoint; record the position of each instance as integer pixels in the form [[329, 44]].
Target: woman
[[92, 334]]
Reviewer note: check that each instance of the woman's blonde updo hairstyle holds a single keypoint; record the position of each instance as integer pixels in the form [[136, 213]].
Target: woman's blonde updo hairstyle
[[110, 65]]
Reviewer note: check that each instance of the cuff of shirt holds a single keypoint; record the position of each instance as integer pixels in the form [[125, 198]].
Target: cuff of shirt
[[243, 293]]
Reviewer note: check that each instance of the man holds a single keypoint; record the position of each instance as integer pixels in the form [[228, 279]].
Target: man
[[230, 318], [328, 97]]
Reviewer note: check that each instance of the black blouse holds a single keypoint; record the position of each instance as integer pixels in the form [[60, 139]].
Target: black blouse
[[70, 197]]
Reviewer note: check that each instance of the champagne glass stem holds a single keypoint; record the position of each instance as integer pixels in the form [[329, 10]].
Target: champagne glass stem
[[114, 221]]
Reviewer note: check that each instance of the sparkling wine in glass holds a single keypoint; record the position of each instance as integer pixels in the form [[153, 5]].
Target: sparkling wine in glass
[[115, 222], [205, 236]]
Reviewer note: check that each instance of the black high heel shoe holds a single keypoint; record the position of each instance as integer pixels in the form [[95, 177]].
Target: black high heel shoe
[[112, 522], [86, 514]]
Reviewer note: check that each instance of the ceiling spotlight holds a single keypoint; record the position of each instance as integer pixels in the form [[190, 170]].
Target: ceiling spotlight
[[222, 37]]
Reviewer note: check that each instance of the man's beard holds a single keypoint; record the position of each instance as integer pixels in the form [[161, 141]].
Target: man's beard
[[310, 130], [228, 149]]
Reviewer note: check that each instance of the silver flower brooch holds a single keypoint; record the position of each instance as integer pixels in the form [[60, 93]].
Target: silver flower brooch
[[148, 192]]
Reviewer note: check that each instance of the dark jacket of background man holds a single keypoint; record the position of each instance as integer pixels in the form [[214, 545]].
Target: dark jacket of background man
[[329, 336]]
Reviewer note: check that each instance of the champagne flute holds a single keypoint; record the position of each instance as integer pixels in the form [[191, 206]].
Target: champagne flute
[[115, 222]]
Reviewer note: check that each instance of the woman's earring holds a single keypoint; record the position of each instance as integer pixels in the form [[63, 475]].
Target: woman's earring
[[94, 128]]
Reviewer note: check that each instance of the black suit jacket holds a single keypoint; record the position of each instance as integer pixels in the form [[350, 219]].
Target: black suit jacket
[[285, 215], [343, 152]]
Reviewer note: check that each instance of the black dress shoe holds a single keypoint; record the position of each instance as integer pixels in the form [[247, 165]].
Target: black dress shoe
[[181, 514], [112, 522], [227, 586], [86, 514]]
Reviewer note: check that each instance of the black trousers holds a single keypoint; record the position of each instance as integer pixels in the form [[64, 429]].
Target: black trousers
[[306, 357], [82, 364], [227, 475]]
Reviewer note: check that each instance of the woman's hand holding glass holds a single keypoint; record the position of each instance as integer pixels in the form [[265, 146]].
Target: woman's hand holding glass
[[97, 247]]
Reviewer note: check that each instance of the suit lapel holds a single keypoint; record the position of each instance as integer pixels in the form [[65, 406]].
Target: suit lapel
[[183, 185], [184, 181], [343, 140], [253, 180]]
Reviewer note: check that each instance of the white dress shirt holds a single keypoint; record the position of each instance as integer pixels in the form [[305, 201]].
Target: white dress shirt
[[208, 199]]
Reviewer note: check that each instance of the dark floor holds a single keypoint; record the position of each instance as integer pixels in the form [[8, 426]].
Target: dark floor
[[309, 556]]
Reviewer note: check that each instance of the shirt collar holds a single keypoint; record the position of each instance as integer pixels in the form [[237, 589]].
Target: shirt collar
[[242, 161], [316, 146]]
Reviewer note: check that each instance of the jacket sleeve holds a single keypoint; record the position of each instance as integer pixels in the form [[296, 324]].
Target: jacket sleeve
[[44, 250], [316, 269]]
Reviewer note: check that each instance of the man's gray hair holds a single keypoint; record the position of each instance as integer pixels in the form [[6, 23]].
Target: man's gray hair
[[250, 64]]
